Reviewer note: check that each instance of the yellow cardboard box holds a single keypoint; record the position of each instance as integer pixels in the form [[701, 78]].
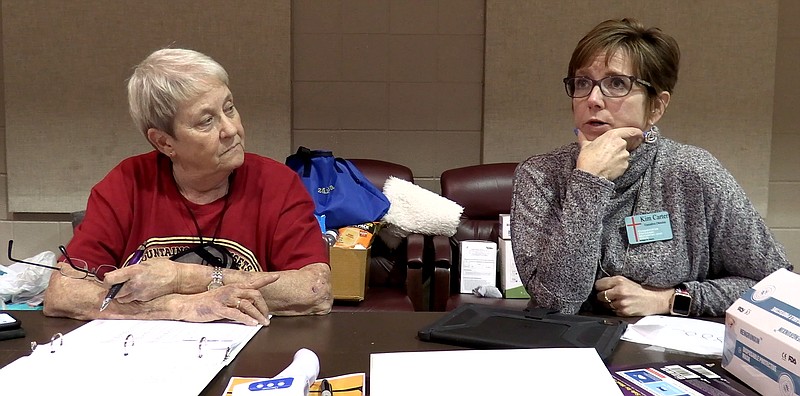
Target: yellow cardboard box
[[349, 273]]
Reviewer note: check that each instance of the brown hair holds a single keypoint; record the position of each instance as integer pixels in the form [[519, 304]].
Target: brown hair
[[654, 55]]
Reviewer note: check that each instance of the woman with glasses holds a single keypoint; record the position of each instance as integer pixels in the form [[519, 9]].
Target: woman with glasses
[[197, 229], [625, 220]]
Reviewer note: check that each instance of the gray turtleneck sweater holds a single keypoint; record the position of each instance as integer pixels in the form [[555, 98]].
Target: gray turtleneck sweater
[[567, 228]]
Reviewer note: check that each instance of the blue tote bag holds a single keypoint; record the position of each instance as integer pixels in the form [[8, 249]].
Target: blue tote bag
[[339, 190]]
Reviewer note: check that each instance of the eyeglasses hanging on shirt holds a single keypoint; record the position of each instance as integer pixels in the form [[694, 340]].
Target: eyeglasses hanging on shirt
[[206, 252]]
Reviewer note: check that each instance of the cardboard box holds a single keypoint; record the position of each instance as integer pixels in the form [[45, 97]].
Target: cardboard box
[[478, 264], [510, 284], [349, 273], [505, 226], [762, 335]]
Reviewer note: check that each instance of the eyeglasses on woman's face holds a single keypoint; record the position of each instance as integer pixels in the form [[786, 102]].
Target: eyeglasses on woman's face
[[77, 269], [611, 86]]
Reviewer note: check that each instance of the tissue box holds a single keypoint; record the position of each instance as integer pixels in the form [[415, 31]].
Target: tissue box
[[478, 264], [510, 284], [349, 273], [762, 335]]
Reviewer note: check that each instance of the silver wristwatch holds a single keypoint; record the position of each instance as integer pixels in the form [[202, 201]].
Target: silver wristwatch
[[216, 278]]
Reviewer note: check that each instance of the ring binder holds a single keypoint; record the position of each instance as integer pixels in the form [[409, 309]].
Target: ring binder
[[200, 347], [129, 341], [164, 357], [129, 337], [56, 336]]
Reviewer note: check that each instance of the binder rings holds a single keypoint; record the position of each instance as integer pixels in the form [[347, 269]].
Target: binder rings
[[127, 357], [487, 327]]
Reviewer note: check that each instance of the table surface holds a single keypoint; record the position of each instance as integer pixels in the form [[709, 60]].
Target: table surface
[[342, 340]]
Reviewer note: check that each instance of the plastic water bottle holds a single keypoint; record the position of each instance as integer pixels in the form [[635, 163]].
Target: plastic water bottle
[[330, 236]]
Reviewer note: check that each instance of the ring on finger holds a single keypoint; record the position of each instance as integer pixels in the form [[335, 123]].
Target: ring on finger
[[238, 302], [605, 296]]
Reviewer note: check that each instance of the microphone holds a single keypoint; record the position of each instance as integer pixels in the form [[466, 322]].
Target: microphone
[[294, 380]]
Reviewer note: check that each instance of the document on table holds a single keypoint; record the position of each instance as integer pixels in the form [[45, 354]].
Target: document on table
[[539, 371], [678, 378], [684, 334], [128, 357]]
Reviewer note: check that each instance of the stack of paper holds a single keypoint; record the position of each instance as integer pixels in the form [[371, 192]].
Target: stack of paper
[[542, 371], [684, 334]]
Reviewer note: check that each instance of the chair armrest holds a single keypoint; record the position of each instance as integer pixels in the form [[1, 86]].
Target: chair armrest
[[415, 250], [442, 260], [442, 252], [415, 281]]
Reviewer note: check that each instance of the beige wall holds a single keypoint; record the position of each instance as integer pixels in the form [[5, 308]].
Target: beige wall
[[395, 80], [432, 84], [784, 180], [65, 67], [529, 45]]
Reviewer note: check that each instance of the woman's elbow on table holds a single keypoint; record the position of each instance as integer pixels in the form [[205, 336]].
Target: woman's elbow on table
[[321, 293], [61, 298], [317, 297]]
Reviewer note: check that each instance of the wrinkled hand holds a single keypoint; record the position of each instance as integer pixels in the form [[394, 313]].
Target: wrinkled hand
[[607, 156], [241, 302], [145, 281], [628, 298]]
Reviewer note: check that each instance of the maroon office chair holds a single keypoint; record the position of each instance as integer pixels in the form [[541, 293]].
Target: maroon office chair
[[395, 274], [485, 193]]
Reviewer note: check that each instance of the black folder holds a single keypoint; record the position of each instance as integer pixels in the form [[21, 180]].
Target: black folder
[[486, 327]]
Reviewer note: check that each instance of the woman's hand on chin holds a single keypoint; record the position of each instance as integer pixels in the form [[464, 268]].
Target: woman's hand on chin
[[607, 156]]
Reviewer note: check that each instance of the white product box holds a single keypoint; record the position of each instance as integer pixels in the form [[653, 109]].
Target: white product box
[[762, 335], [510, 284], [505, 226], [478, 264]]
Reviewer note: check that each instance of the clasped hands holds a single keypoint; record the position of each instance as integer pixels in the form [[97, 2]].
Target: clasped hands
[[628, 298], [190, 300], [607, 155]]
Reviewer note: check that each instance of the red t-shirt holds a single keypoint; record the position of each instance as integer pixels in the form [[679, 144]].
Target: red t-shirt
[[266, 221]]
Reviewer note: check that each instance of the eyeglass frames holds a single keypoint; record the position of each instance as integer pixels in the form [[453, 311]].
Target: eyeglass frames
[[611, 86], [208, 252], [78, 269]]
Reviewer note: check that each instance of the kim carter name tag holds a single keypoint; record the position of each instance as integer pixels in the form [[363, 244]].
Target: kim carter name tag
[[649, 227]]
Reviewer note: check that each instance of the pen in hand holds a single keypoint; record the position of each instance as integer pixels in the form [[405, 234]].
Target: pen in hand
[[112, 292]]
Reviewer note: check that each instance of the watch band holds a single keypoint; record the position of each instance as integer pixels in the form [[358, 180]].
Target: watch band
[[681, 303], [216, 278]]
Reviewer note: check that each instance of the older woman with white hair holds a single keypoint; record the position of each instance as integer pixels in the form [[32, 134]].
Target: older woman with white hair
[[214, 232]]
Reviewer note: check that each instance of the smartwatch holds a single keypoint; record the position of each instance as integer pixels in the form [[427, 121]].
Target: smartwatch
[[216, 278], [681, 303]]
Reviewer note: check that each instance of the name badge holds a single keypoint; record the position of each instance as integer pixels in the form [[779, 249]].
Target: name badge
[[649, 227]]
